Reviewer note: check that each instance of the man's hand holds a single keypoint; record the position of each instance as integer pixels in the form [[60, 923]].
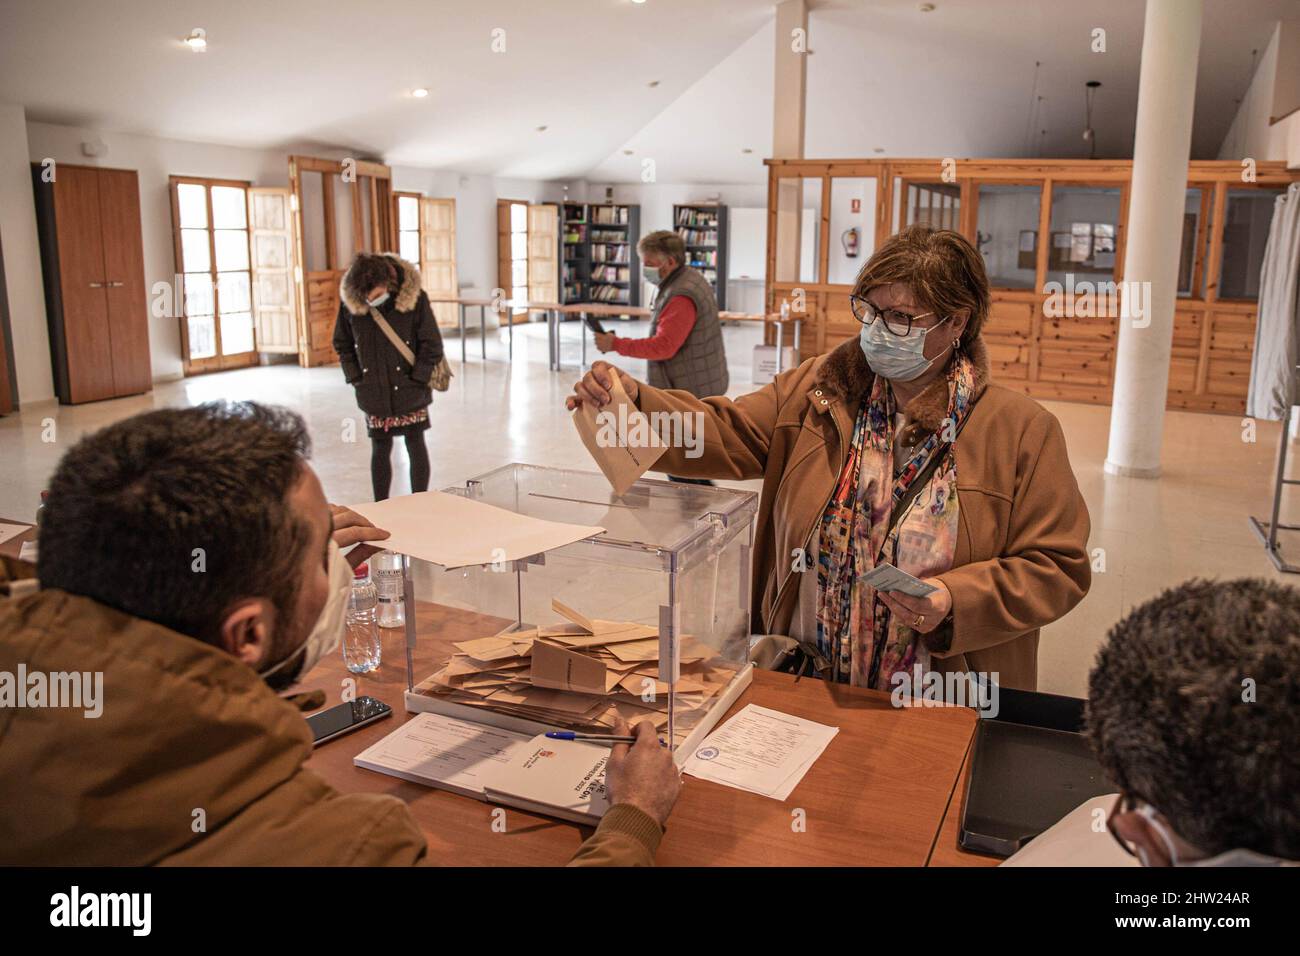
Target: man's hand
[[643, 774], [923, 614], [595, 386], [349, 529], [604, 341]]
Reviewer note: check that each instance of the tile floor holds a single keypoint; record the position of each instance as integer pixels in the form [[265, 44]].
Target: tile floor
[[1149, 534]]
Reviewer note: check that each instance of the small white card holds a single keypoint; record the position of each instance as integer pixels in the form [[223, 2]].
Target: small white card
[[10, 531], [886, 577]]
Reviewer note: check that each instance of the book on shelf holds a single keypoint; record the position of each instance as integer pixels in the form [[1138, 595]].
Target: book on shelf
[[609, 293], [692, 216], [698, 237], [609, 215], [609, 273]]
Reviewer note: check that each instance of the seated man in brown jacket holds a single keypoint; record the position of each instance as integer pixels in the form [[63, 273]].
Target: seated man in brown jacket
[[190, 567]]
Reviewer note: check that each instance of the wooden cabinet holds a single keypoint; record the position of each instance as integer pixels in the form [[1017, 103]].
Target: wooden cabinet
[[92, 257]]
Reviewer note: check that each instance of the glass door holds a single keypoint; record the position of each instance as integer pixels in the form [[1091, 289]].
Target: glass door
[[212, 256]]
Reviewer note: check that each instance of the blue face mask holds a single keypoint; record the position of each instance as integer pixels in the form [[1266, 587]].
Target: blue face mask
[[899, 358], [652, 274], [377, 301]]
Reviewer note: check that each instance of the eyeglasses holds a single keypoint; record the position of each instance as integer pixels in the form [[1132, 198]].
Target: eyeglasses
[[899, 323], [1123, 804]]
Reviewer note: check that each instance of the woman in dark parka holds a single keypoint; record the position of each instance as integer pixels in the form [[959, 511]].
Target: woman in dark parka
[[394, 393]]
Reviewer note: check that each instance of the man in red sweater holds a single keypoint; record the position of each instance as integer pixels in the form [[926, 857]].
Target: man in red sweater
[[684, 349]]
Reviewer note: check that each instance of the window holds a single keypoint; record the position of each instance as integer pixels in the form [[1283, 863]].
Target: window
[[1083, 234], [519, 254], [1246, 221], [408, 227], [1006, 233], [210, 219]]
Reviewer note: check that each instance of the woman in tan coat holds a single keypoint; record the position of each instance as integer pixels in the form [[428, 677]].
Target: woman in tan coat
[[895, 449]]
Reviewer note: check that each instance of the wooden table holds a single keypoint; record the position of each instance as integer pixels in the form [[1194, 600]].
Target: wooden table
[[946, 851], [11, 547], [876, 796]]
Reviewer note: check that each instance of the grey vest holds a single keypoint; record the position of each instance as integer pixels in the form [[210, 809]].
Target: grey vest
[[700, 365]]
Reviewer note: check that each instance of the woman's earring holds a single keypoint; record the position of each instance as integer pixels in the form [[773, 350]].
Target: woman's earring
[[956, 344]]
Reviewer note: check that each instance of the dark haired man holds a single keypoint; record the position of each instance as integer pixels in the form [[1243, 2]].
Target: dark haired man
[[1192, 714], [190, 558]]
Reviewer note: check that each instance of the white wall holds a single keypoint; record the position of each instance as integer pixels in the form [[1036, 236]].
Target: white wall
[[1250, 134], [156, 159], [22, 261]]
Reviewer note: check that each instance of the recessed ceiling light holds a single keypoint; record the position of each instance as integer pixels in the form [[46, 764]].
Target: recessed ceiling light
[[746, 150], [638, 2], [926, 8], [627, 152], [652, 84], [419, 92], [197, 40], [878, 149], [541, 129]]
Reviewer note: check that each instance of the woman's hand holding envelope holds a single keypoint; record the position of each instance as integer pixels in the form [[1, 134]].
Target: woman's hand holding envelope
[[595, 386]]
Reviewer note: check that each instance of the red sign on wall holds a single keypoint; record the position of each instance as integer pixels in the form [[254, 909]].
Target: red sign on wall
[[856, 205]]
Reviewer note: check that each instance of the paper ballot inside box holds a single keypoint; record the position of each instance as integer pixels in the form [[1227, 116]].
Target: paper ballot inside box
[[458, 532]]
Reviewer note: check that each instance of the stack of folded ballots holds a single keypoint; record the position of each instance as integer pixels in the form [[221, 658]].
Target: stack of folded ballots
[[581, 675]]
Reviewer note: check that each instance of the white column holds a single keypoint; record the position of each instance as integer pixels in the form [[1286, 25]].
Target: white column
[[790, 78], [1171, 42]]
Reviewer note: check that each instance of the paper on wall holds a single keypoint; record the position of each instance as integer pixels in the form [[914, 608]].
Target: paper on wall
[[457, 532], [619, 438]]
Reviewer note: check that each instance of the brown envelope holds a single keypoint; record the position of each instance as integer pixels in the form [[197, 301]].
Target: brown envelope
[[619, 438], [561, 669]]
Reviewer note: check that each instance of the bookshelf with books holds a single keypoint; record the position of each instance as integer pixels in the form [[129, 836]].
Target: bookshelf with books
[[703, 227], [614, 267], [575, 246]]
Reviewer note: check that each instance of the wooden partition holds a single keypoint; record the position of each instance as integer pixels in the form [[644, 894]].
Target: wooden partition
[[1054, 323]]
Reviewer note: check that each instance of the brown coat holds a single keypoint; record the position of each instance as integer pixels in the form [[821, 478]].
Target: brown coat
[[185, 727], [1021, 559]]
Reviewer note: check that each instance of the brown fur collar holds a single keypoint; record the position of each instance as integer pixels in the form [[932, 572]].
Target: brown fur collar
[[408, 289], [846, 374]]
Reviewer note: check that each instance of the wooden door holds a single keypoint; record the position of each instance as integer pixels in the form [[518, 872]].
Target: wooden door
[[438, 256], [270, 224], [128, 315], [544, 253], [364, 200], [505, 280], [78, 224]]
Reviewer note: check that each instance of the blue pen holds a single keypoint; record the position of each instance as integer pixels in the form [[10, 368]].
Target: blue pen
[[593, 738]]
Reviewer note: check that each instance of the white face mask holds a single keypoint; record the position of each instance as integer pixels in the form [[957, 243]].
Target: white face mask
[[377, 301], [1236, 857], [327, 632], [652, 275]]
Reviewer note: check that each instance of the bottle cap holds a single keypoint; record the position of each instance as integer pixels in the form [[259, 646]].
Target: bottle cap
[[362, 570]]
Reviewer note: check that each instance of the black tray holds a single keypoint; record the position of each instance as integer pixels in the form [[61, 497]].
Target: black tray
[[1030, 766]]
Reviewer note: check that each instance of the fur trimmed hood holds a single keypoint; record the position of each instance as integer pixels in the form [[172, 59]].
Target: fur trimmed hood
[[845, 373], [408, 288]]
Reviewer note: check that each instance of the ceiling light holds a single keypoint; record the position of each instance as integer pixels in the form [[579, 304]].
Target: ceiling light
[[638, 1], [419, 92], [541, 129], [878, 149], [652, 84], [627, 152], [746, 150], [197, 40], [926, 8]]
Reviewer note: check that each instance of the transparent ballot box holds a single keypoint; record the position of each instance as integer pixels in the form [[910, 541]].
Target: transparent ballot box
[[647, 621]]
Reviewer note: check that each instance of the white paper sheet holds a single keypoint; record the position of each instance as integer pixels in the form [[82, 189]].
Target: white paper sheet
[[436, 750], [760, 750], [10, 531], [457, 532]]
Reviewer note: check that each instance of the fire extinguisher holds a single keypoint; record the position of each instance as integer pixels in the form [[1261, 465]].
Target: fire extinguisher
[[849, 239]]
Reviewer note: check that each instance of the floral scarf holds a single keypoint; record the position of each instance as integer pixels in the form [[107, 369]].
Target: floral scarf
[[854, 628]]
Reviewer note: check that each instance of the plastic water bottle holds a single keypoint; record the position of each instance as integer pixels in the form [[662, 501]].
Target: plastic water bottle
[[390, 587], [361, 646]]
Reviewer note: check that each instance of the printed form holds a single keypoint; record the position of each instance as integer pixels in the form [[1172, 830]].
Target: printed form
[[760, 750]]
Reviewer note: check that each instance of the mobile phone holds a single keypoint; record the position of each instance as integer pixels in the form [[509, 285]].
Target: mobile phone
[[593, 323], [346, 718]]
